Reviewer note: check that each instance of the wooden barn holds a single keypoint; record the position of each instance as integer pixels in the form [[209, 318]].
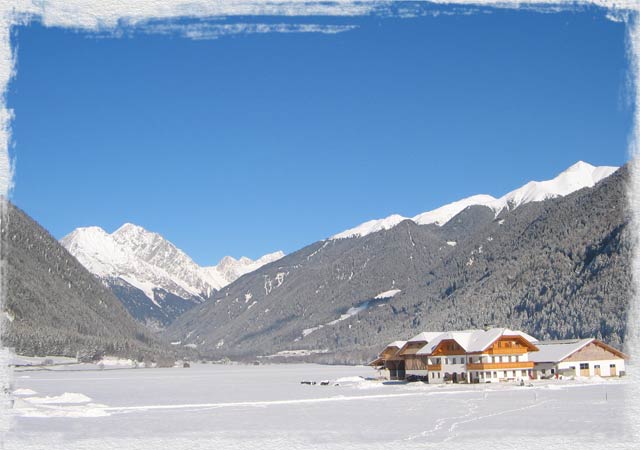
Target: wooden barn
[[416, 365], [389, 360]]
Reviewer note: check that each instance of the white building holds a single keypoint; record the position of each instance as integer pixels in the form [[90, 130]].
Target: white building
[[479, 356], [577, 357]]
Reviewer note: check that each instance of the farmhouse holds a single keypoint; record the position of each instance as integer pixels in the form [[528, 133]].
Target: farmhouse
[[389, 360], [475, 356], [460, 356], [496, 354], [577, 357]]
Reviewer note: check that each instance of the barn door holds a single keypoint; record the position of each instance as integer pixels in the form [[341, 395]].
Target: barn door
[[584, 369]]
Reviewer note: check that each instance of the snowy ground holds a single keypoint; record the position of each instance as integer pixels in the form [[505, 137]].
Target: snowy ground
[[223, 407]]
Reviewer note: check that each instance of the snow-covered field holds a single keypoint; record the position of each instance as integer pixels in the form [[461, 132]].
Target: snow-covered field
[[266, 407]]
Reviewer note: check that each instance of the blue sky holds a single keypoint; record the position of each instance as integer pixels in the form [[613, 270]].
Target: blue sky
[[251, 143]]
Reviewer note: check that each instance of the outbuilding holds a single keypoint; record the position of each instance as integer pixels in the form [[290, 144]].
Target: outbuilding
[[388, 359], [577, 357]]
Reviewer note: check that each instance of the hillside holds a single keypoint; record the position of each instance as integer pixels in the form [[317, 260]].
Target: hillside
[[54, 306], [554, 268]]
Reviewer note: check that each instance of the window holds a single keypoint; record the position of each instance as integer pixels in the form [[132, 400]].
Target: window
[[454, 361], [446, 360], [597, 366], [611, 366], [584, 365], [461, 360]]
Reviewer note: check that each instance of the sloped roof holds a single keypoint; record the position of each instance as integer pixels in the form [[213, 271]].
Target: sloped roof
[[425, 336], [398, 344], [556, 351], [376, 362], [395, 344], [422, 338], [473, 340]]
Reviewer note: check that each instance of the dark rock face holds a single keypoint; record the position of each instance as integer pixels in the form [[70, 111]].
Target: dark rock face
[[154, 315]]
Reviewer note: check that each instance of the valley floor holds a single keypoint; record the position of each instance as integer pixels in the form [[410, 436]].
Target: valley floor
[[224, 407]]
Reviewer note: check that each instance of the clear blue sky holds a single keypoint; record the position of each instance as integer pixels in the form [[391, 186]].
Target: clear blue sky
[[248, 144]]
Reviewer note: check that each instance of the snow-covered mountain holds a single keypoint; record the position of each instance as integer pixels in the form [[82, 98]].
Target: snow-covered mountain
[[578, 176], [137, 263], [557, 268], [230, 269]]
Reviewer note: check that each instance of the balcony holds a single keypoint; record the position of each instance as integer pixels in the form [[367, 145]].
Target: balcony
[[516, 350], [501, 366], [434, 367]]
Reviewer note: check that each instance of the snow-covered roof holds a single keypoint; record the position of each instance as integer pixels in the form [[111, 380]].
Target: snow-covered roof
[[473, 340], [425, 336], [397, 344], [556, 351]]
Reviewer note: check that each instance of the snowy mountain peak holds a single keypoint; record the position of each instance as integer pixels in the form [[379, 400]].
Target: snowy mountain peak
[[442, 215], [129, 227], [149, 262], [270, 257], [229, 269], [580, 165], [577, 176], [371, 227]]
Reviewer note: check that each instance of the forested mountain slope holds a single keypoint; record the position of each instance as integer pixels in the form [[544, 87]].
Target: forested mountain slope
[[54, 306], [553, 268]]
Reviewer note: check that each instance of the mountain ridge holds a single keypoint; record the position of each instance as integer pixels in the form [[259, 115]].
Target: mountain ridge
[[528, 268], [138, 264], [577, 176]]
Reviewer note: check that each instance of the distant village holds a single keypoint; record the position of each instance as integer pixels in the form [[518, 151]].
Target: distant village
[[494, 355]]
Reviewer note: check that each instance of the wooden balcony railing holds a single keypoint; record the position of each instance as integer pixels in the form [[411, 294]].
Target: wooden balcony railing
[[506, 351], [501, 366], [434, 367]]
